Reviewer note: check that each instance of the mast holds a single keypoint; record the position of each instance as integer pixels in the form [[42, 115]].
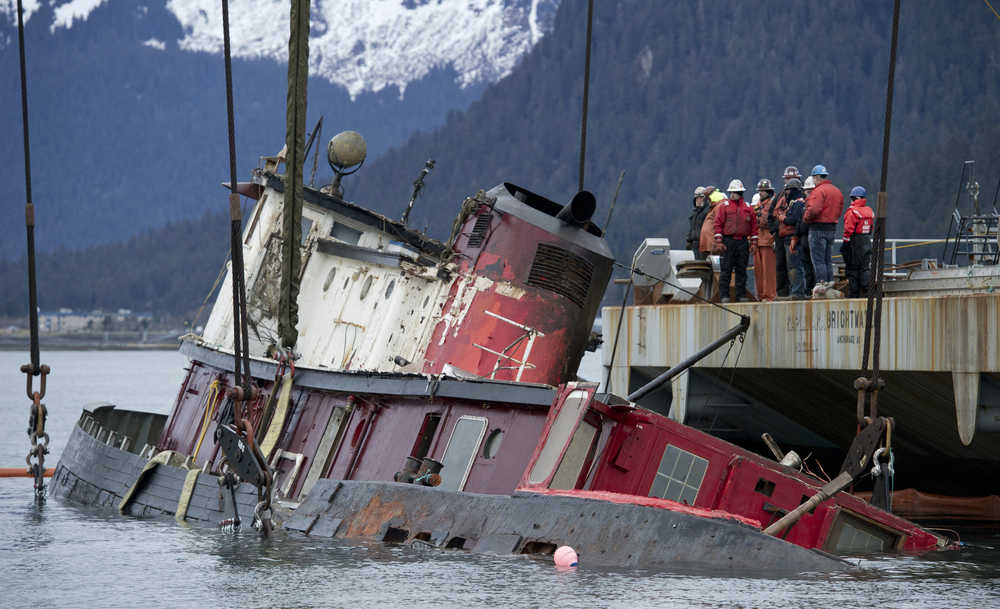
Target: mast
[[295, 125]]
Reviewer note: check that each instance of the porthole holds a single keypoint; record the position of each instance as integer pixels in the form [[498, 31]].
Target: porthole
[[492, 444], [367, 286], [329, 278], [389, 288]]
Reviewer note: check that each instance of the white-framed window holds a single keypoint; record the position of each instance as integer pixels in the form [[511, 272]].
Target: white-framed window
[[679, 476], [559, 434], [463, 446], [574, 458]]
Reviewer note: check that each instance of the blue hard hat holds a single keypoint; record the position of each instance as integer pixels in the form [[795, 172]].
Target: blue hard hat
[[820, 170], [859, 192]]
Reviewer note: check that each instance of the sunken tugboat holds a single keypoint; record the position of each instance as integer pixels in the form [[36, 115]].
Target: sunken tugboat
[[431, 396]]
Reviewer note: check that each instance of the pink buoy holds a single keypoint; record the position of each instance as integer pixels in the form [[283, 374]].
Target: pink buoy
[[565, 557]]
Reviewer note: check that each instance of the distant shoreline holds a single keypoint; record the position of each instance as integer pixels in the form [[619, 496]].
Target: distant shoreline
[[93, 346], [124, 341]]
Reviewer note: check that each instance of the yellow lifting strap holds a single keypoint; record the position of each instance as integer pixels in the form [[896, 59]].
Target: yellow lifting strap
[[167, 457], [211, 401], [182, 504], [278, 420]]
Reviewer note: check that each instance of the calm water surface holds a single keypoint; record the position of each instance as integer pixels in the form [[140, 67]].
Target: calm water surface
[[61, 556]]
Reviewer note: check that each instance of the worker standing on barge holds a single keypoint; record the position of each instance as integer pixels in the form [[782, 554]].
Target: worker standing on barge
[[699, 209], [782, 236], [707, 241], [809, 276], [823, 209], [857, 246], [764, 261], [735, 229], [795, 234]]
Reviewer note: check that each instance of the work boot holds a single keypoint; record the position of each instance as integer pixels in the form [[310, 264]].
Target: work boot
[[724, 299]]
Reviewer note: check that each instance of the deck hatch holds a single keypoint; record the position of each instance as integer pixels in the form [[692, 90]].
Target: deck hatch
[[679, 476], [562, 272]]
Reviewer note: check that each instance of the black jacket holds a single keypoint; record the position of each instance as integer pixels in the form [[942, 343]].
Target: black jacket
[[695, 220], [793, 217]]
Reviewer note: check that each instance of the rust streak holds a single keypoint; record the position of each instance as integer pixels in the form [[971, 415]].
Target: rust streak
[[368, 520]]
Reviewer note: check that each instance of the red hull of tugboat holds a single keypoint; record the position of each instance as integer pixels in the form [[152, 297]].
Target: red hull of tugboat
[[733, 481], [525, 284], [540, 451]]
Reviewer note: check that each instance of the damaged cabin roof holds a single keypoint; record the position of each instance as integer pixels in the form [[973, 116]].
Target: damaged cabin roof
[[367, 217]]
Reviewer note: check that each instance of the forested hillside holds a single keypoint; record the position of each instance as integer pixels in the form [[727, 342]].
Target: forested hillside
[[168, 270], [692, 93], [682, 94]]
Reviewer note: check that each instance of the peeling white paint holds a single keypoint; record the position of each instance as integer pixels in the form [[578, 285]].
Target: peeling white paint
[[508, 289], [338, 328]]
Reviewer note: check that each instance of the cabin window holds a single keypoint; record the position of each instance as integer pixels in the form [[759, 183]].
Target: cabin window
[[575, 457], [365, 287], [679, 476], [559, 435], [492, 444], [461, 451], [307, 225], [764, 487], [852, 535], [329, 278], [344, 233]]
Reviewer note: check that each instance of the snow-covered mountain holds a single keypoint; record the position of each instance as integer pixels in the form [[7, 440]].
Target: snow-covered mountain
[[362, 45], [124, 94]]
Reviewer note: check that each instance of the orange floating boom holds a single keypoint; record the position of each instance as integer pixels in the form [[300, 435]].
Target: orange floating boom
[[22, 472]]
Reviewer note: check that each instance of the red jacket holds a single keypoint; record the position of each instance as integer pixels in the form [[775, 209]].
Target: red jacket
[[859, 219], [824, 204], [735, 219]]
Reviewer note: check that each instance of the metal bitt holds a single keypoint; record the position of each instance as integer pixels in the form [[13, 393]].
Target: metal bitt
[[418, 185], [730, 334]]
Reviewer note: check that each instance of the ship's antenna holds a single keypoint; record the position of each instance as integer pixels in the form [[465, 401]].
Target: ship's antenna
[[586, 91], [621, 178]]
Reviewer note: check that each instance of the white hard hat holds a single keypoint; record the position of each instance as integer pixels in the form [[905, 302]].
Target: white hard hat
[[810, 183], [735, 186], [699, 191]]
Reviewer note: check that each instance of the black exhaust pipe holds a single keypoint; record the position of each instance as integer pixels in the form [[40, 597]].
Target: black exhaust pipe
[[578, 211]]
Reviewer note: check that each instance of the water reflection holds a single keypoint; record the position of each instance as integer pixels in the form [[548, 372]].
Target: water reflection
[[92, 559]]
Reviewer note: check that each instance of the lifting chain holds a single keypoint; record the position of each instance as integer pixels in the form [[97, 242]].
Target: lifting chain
[[36, 427], [36, 420]]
